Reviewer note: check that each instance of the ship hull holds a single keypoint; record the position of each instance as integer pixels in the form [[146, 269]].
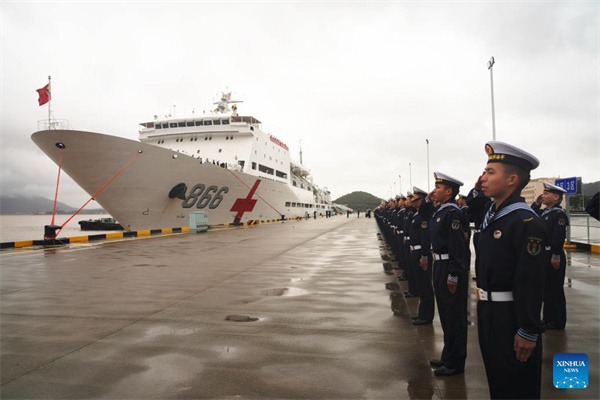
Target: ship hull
[[134, 182]]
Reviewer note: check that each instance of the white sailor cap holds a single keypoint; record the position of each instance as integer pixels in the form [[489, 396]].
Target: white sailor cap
[[445, 179], [419, 192], [548, 187], [508, 154], [409, 194]]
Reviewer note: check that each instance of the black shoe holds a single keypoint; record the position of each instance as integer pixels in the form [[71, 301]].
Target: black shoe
[[419, 321], [436, 363], [409, 294], [445, 371]]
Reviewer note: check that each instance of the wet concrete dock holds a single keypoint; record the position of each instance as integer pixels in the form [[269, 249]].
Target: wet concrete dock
[[164, 318]]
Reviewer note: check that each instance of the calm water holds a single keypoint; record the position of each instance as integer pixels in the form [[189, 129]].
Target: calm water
[[31, 227]]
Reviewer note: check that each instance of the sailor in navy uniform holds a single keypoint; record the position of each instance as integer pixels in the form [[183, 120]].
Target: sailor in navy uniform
[[409, 267], [451, 258], [399, 229], [420, 251], [555, 222], [510, 270]]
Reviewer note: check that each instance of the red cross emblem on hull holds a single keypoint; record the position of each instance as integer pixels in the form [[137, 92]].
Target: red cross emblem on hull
[[245, 205]]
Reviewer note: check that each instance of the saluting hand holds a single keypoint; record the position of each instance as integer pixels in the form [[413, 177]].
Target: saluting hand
[[423, 264], [555, 262], [539, 199], [523, 348], [479, 183]]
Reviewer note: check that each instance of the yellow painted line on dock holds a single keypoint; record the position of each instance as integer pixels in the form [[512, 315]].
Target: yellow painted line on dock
[[143, 232], [24, 243], [78, 239], [595, 248], [166, 231], [115, 235]]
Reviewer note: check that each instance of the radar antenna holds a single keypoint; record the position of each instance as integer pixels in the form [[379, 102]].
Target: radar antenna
[[223, 104]]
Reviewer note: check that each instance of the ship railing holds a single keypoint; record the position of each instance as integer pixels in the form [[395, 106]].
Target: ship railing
[[53, 124], [583, 229]]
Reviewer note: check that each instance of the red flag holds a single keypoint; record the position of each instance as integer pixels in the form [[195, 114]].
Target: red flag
[[44, 94]]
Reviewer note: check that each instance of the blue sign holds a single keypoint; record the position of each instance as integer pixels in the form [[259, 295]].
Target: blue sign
[[570, 371], [569, 184]]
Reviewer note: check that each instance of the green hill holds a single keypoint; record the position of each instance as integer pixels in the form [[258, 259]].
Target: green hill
[[359, 201]]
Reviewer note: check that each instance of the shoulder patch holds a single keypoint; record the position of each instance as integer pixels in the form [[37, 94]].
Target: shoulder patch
[[423, 224], [534, 245], [561, 221]]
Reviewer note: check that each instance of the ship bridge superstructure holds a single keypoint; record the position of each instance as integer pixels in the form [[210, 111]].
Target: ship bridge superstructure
[[236, 142]]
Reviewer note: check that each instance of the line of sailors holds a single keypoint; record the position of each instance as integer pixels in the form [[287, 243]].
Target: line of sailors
[[519, 264]]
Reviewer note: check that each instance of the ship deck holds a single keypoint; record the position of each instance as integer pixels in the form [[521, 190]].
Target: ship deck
[[297, 309]]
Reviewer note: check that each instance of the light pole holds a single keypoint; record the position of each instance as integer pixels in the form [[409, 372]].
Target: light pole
[[428, 188], [400, 183], [490, 64], [409, 176]]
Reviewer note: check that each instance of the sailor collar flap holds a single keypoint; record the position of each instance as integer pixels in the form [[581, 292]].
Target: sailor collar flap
[[549, 210], [446, 205], [504, 212]]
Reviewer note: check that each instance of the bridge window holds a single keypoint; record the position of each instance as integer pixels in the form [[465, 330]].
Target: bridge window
[[287, 203], [173, 125], [217, 122], [199, 123], [281, 174], [265, 169], [253, 165], [225, 121], [208, 122], [181, 124], [190, 123], [158, 126]]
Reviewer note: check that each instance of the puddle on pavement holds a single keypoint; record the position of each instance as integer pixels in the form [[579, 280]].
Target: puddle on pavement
[[161, 330], [283, 292], [240, 318]]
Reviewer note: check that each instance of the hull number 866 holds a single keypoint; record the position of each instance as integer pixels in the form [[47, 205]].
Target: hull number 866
[[203, 196]]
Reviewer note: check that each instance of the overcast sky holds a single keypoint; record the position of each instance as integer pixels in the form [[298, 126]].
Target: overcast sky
[[361, 84]]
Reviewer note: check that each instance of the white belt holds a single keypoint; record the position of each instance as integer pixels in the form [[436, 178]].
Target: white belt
[[417, 247], [548, 247], [482, 295], [438, 257]]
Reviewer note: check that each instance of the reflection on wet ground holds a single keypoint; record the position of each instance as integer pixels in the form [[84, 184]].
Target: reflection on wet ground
[[307, 309]]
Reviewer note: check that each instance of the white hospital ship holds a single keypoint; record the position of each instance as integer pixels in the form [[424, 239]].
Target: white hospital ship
[[221, 163]]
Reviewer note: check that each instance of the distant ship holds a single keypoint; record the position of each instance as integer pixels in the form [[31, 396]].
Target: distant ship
[[221, 163]]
